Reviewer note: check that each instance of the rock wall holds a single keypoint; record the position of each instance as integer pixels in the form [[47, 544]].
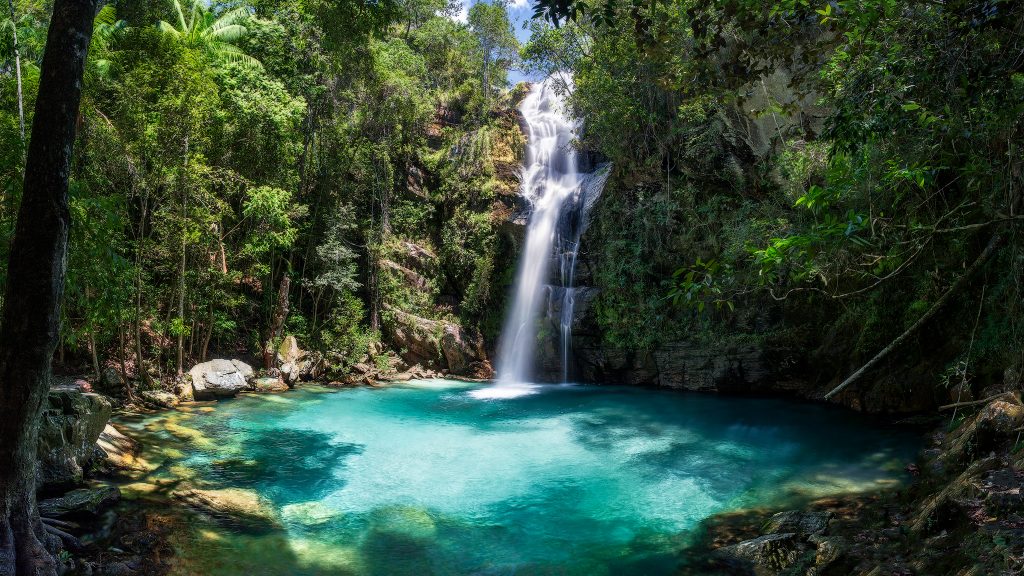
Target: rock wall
[[71, 423]]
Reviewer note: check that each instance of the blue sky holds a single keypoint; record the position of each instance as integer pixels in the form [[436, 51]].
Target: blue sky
[[520, 12]]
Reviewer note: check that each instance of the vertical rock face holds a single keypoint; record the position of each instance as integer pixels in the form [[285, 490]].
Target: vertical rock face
[[71, 423]]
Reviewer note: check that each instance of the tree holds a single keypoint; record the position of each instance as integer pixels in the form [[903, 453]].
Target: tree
[[498, 46], [28, 333], [200, 29]]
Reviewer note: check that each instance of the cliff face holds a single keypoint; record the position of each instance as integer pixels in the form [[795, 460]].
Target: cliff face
[[442, 286]]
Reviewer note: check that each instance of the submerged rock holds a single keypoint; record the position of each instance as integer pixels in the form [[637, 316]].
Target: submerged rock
[[309, 513], [122, 452], [239, 504], [71, 423], [84, 501], [218, 379]]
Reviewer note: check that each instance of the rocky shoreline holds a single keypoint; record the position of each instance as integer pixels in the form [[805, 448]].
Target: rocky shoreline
[[962, 514]]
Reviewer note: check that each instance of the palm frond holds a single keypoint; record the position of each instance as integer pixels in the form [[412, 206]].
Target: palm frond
[[231, 17], [107, 16], [167, 28], [234, 54], [181, 15], [226, 33]]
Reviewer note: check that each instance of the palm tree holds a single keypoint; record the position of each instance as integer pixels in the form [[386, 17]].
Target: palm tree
[[214, 35]]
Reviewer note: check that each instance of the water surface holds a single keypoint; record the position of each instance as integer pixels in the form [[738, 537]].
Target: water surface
[[428, 478]]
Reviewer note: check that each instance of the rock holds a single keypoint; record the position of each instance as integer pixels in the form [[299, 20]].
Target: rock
[[121, 452], [233, 503], [159, 398], [996, 422], [111, 381], [799, 522], [289, 352], [773, 552], [81, 502], [463, 355], [309, 513], [220, 379], [829, 550], [289, 373], [436, 344], [407, 521], [270, 384], [71, 423]]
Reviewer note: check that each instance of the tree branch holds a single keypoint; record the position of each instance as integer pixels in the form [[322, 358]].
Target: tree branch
[[993, 245]]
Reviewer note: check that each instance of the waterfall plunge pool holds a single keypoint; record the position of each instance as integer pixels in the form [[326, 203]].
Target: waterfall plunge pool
[[429, 478]]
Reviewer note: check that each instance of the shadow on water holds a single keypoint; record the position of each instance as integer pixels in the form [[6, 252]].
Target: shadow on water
[[285, 465]]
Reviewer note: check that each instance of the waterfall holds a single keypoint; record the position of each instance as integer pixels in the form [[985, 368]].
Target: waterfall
[[559, 195]]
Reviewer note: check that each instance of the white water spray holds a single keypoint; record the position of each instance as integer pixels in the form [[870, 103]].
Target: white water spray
[[552, 183]]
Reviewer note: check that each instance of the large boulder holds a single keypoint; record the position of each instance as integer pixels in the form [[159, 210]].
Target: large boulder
[[997, 422], [219, 379], [71, 423]]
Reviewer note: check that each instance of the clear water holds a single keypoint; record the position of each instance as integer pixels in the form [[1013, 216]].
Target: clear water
[[427, 478]]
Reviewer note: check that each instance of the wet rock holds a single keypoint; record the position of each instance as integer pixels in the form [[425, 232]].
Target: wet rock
[[270, 384], [121, 452], [159, 398], [799, 522], [233, 503], [773, 552], [408, 521], [309, 513], [81, 502], [71, 423], [219, 379]]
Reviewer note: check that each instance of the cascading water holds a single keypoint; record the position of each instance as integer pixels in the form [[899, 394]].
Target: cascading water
[[557, 191]]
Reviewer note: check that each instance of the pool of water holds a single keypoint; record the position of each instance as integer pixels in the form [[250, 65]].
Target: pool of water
[[440, 477]]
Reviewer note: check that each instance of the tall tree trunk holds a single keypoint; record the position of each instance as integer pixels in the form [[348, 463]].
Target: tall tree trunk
[[277, 322], [17, 70], [181, 269], [31, 317]]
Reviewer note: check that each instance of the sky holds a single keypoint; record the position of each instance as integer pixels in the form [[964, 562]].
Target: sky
[[520, 12]]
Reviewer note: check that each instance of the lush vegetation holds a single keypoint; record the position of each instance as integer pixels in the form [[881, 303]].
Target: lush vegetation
[[818, 172], [230, 152], [817, 175]]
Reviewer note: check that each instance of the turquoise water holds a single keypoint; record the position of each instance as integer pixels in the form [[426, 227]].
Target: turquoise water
[[429, 478]]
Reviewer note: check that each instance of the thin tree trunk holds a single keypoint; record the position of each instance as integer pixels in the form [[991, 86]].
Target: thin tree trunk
[[993, 244], [36, 270], [277, 322], [181, 269], [208, 336], [17, 70]]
